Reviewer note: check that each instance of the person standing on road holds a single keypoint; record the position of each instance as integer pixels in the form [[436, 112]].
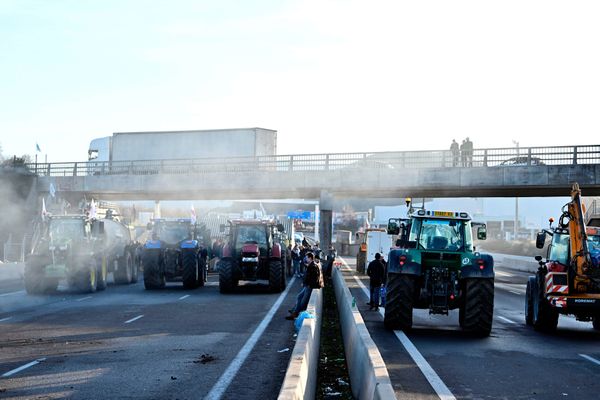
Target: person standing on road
[[312, 280], [455, 153], [376, 272], [296, 260]]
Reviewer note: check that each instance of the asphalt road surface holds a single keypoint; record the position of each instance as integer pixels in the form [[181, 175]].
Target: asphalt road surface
[[437, 360], [127, 343]]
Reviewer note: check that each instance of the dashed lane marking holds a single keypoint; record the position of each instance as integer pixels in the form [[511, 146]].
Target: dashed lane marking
[[5, 319], [225, 380], [592, 359], [184, 297], [505, 319], [21, 368], [503, 273], [432, 377], [12, 293], [85, 298], [134, 319], [515, 292]]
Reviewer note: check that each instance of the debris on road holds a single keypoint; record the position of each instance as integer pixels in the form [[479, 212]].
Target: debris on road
[[283, 350], [205, 358]]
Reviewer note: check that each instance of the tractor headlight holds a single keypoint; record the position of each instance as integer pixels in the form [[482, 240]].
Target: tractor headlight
[[249, 259]]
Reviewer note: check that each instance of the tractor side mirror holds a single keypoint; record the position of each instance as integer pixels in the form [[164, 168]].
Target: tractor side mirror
[[540, 240], [280, 228], [482, 233], [222, 228], [393, 227], [149, 226], [538, 258]]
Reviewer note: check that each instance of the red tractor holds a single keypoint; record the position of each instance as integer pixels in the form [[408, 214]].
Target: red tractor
[[254, 251]]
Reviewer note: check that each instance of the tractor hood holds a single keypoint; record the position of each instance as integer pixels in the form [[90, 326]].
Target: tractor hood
[[250, 249]]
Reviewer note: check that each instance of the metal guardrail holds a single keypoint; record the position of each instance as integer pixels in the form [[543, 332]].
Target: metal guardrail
[[477, 158]]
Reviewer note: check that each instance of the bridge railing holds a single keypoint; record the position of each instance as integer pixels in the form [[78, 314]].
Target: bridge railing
[[477, 158]]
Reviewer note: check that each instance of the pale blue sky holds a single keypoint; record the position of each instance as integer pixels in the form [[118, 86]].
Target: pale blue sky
[[330, 76]]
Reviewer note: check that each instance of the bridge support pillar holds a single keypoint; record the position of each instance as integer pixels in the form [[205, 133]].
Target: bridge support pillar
[[325, 219], [157, 209]]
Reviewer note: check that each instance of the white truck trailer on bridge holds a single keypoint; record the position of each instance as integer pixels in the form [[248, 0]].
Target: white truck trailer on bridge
[[178, 145]]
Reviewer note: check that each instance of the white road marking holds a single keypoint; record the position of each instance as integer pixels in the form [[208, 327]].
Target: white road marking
[[134, 319], [506, 319], [225, 380], [503, 273], [515, 292], [5, 319], [432, 377], [84, 298], [211, 283], [592, 359], [184, 297], [21, 368], [12, 293]]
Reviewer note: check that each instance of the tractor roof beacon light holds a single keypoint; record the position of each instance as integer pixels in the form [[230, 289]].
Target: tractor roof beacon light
[[408, 200]]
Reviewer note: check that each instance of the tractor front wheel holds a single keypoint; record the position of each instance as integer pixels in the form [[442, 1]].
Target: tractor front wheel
[[478, 306], [226, 281], [153, 279], [190, 269], [545, 317], [276, 276]]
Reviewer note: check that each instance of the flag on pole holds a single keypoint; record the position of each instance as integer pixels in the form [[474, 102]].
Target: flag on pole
[[37, 148], [52, 190], [93, 209], [193, 215]]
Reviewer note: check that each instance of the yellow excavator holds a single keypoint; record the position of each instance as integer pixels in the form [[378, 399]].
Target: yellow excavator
[[568, 282]]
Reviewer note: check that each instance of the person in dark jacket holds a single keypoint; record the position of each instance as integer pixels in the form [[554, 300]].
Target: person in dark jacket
[[376, 272], [313, 279]]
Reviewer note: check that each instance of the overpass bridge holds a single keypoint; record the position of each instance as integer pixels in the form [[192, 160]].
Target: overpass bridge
[[496, 172]]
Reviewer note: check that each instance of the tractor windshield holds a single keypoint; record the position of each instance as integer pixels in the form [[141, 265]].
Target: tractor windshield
[[62, 230], [173, 233], [559, 250], [251, 234], [441, 234]]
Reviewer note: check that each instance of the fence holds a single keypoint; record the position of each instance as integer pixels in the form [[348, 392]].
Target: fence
[[477, 158], [14, 251]]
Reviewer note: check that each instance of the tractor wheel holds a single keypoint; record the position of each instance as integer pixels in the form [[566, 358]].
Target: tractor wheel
[[276, 276], [153, 278], [399, 301], [101, 274], [202, 271], [87, 278], [124, 274], [545, 317], [34, 277], [478, 306], [190, 269], [361, 261], [596, 322], [226, 281], [529, 301]]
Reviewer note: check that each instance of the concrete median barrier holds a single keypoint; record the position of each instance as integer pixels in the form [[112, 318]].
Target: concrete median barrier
[[517, 263], [368, 373], [301, 377]]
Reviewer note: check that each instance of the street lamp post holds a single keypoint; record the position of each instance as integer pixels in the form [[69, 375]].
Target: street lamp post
[[516, 227]]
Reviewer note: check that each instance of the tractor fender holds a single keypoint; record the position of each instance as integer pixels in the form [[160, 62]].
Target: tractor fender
[[470, 267], [189, 244], [152, 244], [408, 267], [276, 251]]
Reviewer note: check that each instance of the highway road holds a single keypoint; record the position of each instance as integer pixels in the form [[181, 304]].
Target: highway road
[[437, 360], [130, 343]]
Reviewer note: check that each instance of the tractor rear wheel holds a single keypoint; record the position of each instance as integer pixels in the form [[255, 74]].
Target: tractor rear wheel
[[124, 274], [529, 301], [226, 281], [153, 279], [399, 301], [190, 269], [276, 276], [545, 317], [478, 306]]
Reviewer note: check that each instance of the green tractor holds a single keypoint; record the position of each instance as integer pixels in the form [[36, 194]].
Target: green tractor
[[435, 266]]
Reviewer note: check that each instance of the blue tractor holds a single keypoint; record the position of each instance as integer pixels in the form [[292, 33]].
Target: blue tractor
[[175, 252]]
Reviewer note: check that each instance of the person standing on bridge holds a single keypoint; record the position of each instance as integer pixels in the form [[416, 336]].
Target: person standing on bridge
[[455, 153], [469, 150], [376, 272], [463, 153]]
